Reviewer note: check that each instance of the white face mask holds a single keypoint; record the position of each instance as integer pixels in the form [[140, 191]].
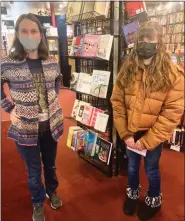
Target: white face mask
[[30, 44]]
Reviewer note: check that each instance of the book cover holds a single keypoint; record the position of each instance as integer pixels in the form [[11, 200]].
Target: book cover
[[78, 46], [78, 141], [72, 47], [174, 58], [105, 47], [91, 138], [103, 151], [100, 83], [130, 31], [94, 116], [80, 110], [134, 8], [74, 81], [72, 129], [86, 118], [84, 83], [75, 108], [90, 45], [142, 152], [101, 122]]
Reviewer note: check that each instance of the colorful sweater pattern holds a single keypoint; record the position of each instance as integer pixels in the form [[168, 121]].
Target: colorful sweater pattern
[[25, 98]]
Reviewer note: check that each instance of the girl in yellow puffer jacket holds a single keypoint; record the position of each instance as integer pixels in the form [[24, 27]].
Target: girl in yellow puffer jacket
[[148, 102]]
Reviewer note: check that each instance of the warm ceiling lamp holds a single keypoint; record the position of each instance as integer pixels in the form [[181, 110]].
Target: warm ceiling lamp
[[61, 5]]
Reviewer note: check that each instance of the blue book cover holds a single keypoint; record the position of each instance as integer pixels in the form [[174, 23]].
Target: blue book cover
[[91, 138]]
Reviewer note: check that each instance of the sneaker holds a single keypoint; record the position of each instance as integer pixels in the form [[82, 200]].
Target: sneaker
[[38, 213], [55, 201]]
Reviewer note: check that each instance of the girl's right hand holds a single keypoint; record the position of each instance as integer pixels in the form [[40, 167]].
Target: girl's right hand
[[130, 142], [14, 117]]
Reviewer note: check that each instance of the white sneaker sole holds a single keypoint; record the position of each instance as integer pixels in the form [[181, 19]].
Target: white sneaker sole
[[51, 203]]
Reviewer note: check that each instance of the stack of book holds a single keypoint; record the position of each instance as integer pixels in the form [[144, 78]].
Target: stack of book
[[88, 142]]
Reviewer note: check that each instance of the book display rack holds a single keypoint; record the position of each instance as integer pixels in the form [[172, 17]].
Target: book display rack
[[97, 72]]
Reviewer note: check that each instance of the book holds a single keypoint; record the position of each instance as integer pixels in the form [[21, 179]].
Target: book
[[84, 83], [174, 58], [130, 31], [80, 110], [142, 152], [100, 83], [79, 140], [134, 8], [101, 122], [94, 116], [104, 47], [86, 118], [75, 108], [74, 80], [103, 151], [72, 47], [90, 45], [91, 138], [72, 129], [78, 45]]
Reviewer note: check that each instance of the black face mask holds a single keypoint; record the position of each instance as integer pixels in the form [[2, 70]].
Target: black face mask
[[146, 50]]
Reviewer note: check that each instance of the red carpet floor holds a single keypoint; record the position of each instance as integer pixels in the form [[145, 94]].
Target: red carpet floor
[[86, 193]]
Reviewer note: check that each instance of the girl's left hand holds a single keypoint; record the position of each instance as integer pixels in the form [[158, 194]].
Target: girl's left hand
[[139, 146]]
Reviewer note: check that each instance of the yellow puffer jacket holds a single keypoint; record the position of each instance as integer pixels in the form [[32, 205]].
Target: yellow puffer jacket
[[159, 113]]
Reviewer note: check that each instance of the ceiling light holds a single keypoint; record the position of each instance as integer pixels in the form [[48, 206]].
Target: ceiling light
[[47, 5], [169, 5], [61, 6], [159, 8]]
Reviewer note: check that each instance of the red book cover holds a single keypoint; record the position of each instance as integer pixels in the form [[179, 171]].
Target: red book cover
[[94, 116], [134, 8]]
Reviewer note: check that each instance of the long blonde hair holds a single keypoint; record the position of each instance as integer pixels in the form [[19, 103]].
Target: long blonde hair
[[158, 78]]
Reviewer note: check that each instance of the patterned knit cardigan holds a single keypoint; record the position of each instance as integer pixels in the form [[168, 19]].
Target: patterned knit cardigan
[[24, 96]]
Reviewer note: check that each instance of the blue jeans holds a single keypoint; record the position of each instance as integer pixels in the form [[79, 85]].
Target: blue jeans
[[44, 152], [151, 162]]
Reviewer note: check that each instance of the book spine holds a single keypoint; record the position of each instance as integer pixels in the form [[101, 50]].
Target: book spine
[[69, 138]]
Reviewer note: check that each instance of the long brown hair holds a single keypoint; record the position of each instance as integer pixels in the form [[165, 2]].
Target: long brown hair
[[17, 51], [158, 78]]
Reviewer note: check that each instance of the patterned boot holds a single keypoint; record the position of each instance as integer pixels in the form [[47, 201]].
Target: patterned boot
[[131, 201], [150, 207]]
